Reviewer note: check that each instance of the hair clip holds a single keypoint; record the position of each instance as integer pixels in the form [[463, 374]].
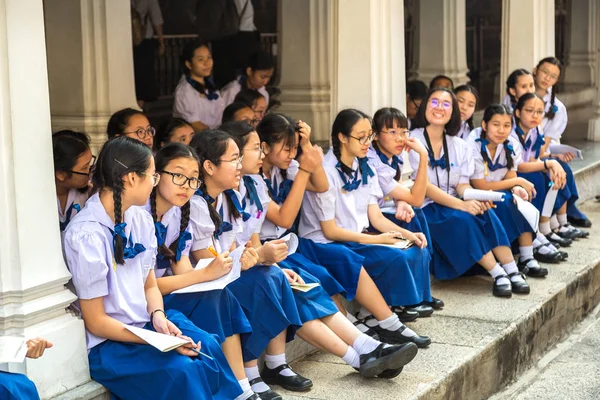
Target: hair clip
[[123, 165]]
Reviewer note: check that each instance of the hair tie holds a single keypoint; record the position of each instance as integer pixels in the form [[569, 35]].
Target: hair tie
[[554, 108]]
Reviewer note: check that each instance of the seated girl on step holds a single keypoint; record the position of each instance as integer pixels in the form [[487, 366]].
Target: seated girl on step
[[471, 226], [175, 130], [131, 123], [256, 76], [468, 99], [110, 249]]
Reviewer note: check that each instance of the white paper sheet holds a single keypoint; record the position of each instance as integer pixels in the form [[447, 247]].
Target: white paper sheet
[[482, 195], [12, 349], [292, 242], [549, 203], [221, 282], [160, 341], [563, 149], [304, 288], [531, 214], [402, 244]]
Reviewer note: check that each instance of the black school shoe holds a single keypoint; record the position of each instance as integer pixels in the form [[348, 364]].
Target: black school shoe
[[362, 326], [404, 314], [555, 239], [534, 271], [580, 222], [396, 337], [519, 287], [296, 383], [255, 397], [502, 290], [422, 310], [386, 361], [550, 258], [568, 234], [579, 232], [437, 304], [267, 394]]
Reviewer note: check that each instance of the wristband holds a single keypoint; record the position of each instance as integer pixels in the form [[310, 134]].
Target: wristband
[[305, 170], [157, 310]]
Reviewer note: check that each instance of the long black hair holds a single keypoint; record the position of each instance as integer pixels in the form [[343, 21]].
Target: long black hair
[[556, 62], [118, 157], [165, 155], [385, 118], [453, 126], [488, 114], [248, 97], [166, 131], [343, 123], [512, 80], [67, 147], [474, 92], [187, 54], [520, 104], [211, 145], [275, 128], [232, 109]]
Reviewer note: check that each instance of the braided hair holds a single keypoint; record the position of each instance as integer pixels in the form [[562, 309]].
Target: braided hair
[[520, 104], [512, 80], [475, 93], [164, 156], [211, 145], [343, 124], [488, 114], [119, 157], [556, 62], [385, 118]]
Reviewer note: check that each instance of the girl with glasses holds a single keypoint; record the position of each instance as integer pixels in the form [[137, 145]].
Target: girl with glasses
[[110, 248], [131, 123], [216, 311], [333, 234], [73, 163], [470, 226], [196, 98]]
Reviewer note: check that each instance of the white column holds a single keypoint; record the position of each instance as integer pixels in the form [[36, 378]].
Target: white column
[[594, 124], [305, 63], [368, 47], [582, 55], [442, 40], [33, 298], [527, 35], [90, 63]]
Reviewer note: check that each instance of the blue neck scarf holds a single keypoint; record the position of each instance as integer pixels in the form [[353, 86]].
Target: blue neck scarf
[[252, 193], [181, 244], [492, 166], [210, 94], [131, 249], [205, 196], [433, 163], [537, 146], [76, 207], [161, 233], [236, 203], [348, 185], [279, 192], [224, 226], [395, 162]]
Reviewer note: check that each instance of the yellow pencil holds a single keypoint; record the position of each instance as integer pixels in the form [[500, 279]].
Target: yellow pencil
[[213, 251]]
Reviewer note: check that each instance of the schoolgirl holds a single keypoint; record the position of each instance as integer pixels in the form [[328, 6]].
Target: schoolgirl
[[239, 112], [280, 139], [110, 249], [475, 227], [519, 82], [215, 311], [131, 123], [415, 91], [496, 158], [196, 98], [441, 81], [18, 386], [73, 163], [468, 99], [175, 130], [400, 204], [332, 226], [254, 99], [257, 75], [546, 75]]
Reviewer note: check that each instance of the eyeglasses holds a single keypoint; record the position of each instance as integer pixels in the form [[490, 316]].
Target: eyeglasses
[[364, 139], [547, 73], [236, 161], [417, 105], [181, 180], [397, 133], [531, 111], [155, 179], [142, 133], [92, 164], [260, 150], [435, 103]]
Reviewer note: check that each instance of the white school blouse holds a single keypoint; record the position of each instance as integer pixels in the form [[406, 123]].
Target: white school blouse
[[461, 164], [554, 128], [90, 257], [464, 131], [171, 220], [385, 177], [257, 218], [500, 157], [528, 154], [269, 230], [203, 228], [231, 90], [193, 107], [74, 197], [349, 209]]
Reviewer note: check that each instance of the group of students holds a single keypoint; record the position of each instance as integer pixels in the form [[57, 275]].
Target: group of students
[[156, 205]]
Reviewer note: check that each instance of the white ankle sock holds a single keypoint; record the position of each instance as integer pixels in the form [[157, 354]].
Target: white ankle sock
[[365, 344], [545, 227], [274, 361], [352, 358], [562, 219], [554, 222], [247, 391], [391, 323], [252, 373], [351, 317], [497, 271], [363, 313], [511, 268], [525, 253]]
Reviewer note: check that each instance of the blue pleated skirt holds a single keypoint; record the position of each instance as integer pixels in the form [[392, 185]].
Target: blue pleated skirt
[[315, 303], [328, 282], [17, 387], [402, 276], [512, 220], [215, 311], [540, 183], [417, 224], [268, 302], [136, 371], [343, 264], [461, 239]]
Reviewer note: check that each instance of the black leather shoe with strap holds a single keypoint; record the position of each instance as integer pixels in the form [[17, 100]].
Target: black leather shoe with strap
[[294, 383], [267, 394]]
